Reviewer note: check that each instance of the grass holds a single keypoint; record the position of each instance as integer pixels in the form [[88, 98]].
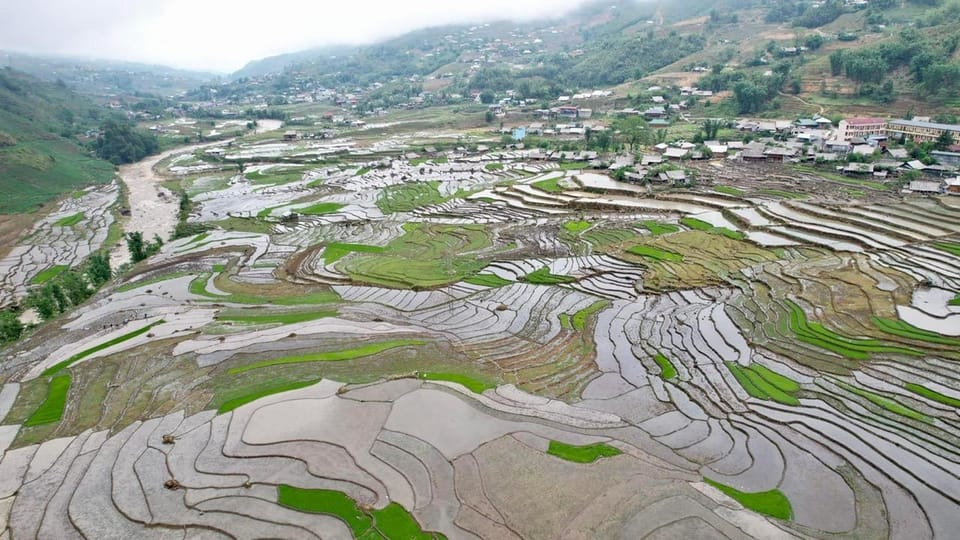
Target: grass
[[362, 171], [331, 356], [48, 274], [277, 318], [574, 166], [656, 228], [658, 254], [840, 178], [885, 403], [336, 251], [932, 395], [320, 209], [907, 330], [853, 348], [391, 522], [488, 280], [544, 277], [576, 227], [771, 503], [70, 221], [408, 197], [701, 225], [470, 383], [762, 383], [727, 190], [493, 167], [579, 319], [236, 402], [667, 370], [199, 287], [51, 410], [52, 370], [582, 454]]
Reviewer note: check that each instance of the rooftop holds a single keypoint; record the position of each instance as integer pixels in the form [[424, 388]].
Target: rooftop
[[919, 124]]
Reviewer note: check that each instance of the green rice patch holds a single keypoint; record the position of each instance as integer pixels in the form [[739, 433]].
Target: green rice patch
[[393, 522], [907, 330], [700, 225], [265, 391], [470, 383], [771, 503], [550, 185], [331, 356], [576, 227], [488, 280], [727, 190], [336, 251], [932, 395], [52, 370], [656, 228], [657, 254], [320, 209], [579, 319], [48, 274], [582, 454], [667, 369], [70, 221], [493, 166], [885, 403], [763, 383], [244, 317], [544, 277], [51, 410]]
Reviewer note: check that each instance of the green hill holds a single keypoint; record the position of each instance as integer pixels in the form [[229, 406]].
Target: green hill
[[41, 155]]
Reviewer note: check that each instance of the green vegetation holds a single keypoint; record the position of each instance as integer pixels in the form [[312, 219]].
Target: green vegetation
[[408, 197], [579, 320], [574, 166], [320, 209], [332, 356], [51, 410], [667, 369], [658, 254], [45, 159], [10, 327], [582, 454], [762, 383], [336, 251], [199, 287], [852, 348], [276, 175], [783, 194], [544, 277], [54, 369], [267, 390], [70, 221], [728, 190], [391, 523], [907, 330], [700, 225], [551, 185], [120, 142], [950, 247], [48, 274], [425, 256], [488, 280], [140, 250], [493, 167], [771, 503], [932, 395], [275, 318], [470, 383], [884, 402], [656, 228], [576, 227]]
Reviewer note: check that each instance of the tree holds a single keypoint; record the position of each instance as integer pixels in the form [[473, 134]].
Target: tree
[[45, 305], [944, 141], [119, 143], [10, 327], [489, 117], [98, 269], [76, 289], [711, 128], [135, 246], [487, 97]]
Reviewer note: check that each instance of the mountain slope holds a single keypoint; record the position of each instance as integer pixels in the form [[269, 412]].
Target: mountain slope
[[40, 154]]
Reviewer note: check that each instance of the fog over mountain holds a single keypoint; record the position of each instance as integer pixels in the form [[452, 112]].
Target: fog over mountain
[[222, 35]]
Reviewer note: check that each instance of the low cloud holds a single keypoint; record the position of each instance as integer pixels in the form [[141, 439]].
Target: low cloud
[[222, 35]]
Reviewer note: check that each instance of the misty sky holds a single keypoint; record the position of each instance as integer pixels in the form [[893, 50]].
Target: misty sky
[[223, 35]]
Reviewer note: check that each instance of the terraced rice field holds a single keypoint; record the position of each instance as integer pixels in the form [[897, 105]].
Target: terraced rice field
[[472, 346]]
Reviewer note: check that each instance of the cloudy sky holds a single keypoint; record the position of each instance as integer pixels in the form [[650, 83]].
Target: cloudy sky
[[222, 35]]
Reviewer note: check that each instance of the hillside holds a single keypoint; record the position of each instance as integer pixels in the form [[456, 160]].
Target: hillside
[[40, 153]]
